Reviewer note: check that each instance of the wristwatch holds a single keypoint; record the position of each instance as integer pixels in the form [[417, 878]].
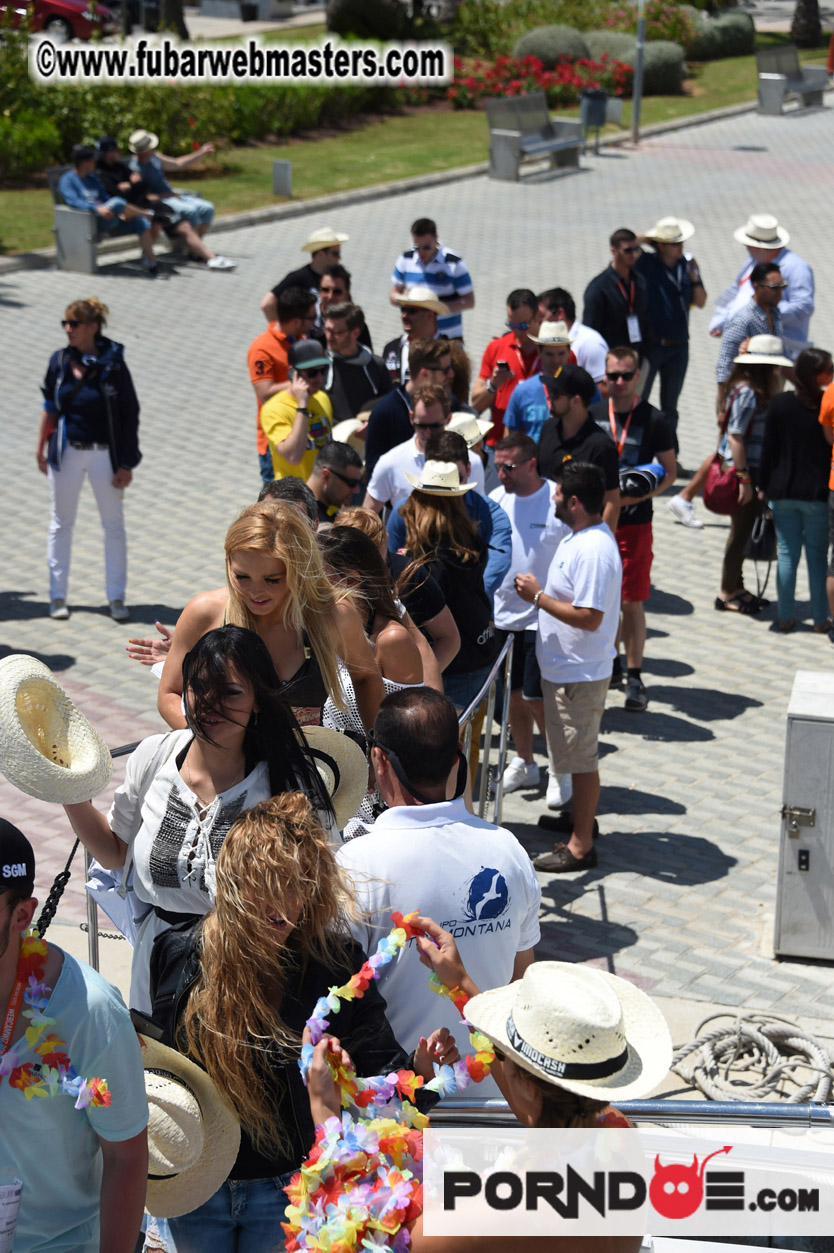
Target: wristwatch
[[537, 598]]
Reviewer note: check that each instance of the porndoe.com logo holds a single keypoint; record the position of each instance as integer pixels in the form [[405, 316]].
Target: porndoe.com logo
[[588, 1182]]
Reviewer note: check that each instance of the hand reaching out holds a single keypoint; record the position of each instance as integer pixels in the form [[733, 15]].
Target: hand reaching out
[[149, 651]]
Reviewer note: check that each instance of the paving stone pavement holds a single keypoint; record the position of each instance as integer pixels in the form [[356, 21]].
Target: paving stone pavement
[[682, 901]]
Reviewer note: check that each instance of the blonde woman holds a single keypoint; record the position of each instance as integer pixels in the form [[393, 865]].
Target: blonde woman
[[277, 587], [235, 995], [89, 426]]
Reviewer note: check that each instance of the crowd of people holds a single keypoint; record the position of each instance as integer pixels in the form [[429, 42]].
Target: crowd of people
[[311, 783]]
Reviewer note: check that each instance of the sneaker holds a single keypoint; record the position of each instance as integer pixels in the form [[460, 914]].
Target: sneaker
[[58, 610], [562, 861], [151, 267], [684, 512], [221, 263], [636, 699], [119, 611], [559, 790], [518, 774]]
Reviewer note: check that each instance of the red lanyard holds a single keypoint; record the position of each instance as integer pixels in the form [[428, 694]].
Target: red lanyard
[[12, 1012], [613, 421], [628, 297]]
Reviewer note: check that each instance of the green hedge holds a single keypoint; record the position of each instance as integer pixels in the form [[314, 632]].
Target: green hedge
[[616, 43], [663, 61], [549, 43], [730, 34]]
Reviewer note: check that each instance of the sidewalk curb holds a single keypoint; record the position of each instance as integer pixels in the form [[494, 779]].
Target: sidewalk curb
[[44, 258]]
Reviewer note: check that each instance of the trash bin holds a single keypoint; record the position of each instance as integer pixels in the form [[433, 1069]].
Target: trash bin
[[592, 102], [248, 11]]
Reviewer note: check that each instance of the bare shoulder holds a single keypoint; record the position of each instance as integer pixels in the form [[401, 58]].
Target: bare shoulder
[[205, 610]]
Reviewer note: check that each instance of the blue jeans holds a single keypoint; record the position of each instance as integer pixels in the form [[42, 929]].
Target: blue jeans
[[266, 468], [801, 522], [243, 1216], [463, 688], [670, 363]]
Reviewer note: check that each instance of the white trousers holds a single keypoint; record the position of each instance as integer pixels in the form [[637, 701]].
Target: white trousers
[[65, 485]]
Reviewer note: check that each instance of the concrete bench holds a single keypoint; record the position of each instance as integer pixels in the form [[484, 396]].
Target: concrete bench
[[781, 76], [75, 230], [520, 128]]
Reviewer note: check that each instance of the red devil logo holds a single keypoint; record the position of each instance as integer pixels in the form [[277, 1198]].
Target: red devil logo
[[676, 1191]]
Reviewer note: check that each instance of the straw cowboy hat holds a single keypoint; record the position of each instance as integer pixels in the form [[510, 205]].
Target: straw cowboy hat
[[193, 1134], [345, 433], [551, 333], [763, 350], [762, 230], [324, 237], [143, 141], [343, 769], [470, 427], [439, 478], [580, 1028], [48, 749], [422, 298], [671, 231]]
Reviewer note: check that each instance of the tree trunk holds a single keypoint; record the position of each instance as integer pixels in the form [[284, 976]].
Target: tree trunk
[[806, 29], [172, 18]]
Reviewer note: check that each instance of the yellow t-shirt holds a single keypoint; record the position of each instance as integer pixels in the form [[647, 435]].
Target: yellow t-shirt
[[277, 418]]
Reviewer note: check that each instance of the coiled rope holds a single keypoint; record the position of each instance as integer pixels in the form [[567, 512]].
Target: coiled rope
[[753, 1059]]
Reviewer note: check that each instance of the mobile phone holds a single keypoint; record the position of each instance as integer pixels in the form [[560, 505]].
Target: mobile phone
[[502, 365]]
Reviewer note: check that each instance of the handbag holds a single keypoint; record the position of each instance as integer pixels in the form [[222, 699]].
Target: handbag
[[720, 494], [761, 545]]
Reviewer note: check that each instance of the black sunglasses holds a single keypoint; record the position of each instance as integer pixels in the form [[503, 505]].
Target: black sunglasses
[[72, 323], [625, 375], [312, 371], [354, 483], [428, 426], [509, 466]]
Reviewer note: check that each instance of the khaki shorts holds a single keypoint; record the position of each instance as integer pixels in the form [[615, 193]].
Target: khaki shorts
[[572, 714]]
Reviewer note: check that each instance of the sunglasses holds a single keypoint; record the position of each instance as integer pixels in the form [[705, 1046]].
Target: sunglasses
[[625, 375], [352, 483], [425, 247], [500, 1055], [517, 326], [313, 373], [71, 323], [773, 286], [413, 309], [509, 466], [441, 369], [428, 426], [631, 248]]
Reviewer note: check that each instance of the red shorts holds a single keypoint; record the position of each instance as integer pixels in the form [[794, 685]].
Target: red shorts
[[635, 544]]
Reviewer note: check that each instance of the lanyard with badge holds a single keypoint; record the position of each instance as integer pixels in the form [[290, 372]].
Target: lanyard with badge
[[632, 320], [621, 441], [12, 1014]]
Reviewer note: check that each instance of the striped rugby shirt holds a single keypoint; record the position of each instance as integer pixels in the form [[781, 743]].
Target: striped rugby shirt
[[447, 276]]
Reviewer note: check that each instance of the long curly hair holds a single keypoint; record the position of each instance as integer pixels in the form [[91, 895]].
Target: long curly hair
[[275, 853], [432, 521], [280, 531]]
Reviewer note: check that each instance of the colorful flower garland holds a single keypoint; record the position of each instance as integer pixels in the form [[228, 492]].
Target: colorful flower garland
[[55, 1072], [362, 1183]]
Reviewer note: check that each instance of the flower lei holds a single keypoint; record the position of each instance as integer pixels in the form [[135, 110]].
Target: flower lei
[[362, 1183], [54, 1073]]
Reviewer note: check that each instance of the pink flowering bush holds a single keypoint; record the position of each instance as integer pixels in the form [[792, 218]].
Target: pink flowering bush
[[663, 21], [508, 77]]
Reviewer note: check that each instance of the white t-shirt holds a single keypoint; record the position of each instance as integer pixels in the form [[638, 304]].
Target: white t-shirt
[[388, 481], [53, 1146], [589, 348], [536, 534], [586, 572], [472, 878]]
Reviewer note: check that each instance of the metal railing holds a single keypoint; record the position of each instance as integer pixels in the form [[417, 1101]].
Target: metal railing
[[505, 658], [468, 1113], [124, 750]]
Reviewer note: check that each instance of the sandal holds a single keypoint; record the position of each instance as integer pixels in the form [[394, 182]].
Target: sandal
[[735, 604]]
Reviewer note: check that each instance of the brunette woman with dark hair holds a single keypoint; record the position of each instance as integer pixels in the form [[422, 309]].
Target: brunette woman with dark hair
[[793, 478], [184, 789]]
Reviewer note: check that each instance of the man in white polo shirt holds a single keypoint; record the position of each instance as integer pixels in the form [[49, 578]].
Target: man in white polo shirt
[[431, 410], [431, 854], [579, 612], [536, 532]]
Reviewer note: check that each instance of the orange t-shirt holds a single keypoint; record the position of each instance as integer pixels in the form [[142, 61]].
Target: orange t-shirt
[[268, 358], [827, 419]]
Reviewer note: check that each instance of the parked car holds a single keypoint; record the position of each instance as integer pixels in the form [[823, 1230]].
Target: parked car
[[62, 19]]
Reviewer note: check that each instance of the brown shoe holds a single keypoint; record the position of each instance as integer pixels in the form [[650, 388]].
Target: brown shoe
[[562, 861]]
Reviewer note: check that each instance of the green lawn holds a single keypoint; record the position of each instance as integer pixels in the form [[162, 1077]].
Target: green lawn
[[381, 150]]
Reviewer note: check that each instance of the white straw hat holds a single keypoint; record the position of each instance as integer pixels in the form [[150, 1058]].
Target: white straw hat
[[48, 749], [343, 769], [470, 427], [439, 478], [551, 333], [143, 141], [580, 1028], [763, 350], [422, 297], [193, 1133], [344, 432], [762, 230], [324, 237], [671, 231]]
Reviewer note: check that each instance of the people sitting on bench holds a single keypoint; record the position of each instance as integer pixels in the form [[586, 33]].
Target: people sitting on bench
[[81, 189]]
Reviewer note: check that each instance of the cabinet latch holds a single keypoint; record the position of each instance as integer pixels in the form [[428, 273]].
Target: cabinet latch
[[798, 816]]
